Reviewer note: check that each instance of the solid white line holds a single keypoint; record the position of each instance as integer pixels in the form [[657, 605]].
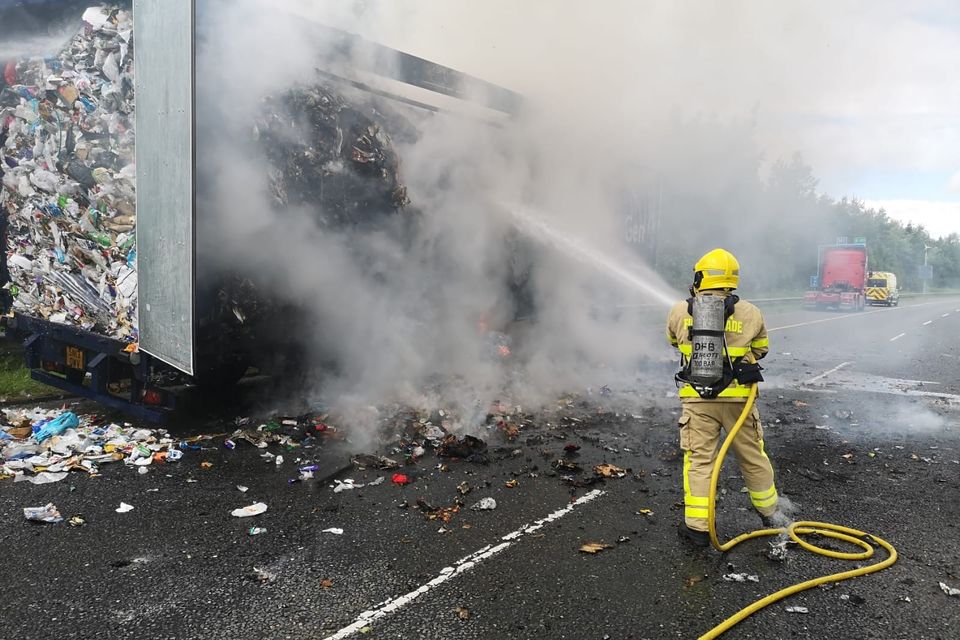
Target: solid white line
[[927, 322], [826, 373], [460, 566], [897, 337]]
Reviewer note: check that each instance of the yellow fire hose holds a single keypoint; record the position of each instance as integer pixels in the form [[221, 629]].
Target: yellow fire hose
[[795, 530]]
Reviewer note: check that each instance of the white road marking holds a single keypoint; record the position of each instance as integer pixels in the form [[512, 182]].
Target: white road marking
[[895, 338], [853, 315], [927, 322], [945, 315], [826, 373], [460, 566]]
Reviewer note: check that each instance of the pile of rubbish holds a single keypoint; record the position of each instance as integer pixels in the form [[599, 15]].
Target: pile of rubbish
[[67, 168], [41, 446], [331, 155]]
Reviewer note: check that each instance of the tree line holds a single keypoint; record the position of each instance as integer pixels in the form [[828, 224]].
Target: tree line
[[775, 224]]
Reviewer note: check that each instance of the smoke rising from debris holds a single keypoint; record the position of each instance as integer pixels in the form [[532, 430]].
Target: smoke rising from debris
[[422, 299]]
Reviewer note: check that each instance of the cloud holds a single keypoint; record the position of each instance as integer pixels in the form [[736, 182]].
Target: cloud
[[953, 186], [939, 218]]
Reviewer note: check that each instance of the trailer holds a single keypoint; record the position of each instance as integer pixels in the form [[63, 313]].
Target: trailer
[[841, 279], [180, 337]]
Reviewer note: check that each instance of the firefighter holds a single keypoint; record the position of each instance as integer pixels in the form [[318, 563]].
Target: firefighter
[[706, 412]]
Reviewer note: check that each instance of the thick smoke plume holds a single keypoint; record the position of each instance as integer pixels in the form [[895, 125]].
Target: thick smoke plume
[[421, 302]]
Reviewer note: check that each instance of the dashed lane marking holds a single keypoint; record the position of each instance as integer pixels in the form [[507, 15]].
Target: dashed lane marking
[[945, 315], [927, 322], [826, 373], [895, 338], [459, 568]]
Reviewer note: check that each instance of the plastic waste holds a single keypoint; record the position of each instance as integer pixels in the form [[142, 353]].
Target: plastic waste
[[48, 513], [124, 508], [46, 429], [254, 509], [44, 477], [334, 530], [485, 504]]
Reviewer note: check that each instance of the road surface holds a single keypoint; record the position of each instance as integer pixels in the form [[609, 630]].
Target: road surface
[[861, 417]]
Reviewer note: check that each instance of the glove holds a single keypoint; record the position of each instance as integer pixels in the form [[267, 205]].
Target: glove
[[748, 373]]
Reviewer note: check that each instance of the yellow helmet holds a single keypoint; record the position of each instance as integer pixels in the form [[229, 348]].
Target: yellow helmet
[[717, 269]]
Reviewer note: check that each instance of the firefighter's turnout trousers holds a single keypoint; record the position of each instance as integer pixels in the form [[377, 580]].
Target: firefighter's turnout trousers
[[700, 432]]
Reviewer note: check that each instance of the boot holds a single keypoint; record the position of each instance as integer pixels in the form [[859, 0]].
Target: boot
[[697, 538]]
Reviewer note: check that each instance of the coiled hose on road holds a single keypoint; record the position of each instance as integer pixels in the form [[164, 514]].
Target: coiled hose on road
[[795, 530]]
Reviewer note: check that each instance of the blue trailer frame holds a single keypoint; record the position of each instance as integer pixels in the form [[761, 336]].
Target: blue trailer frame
[[88, 365]]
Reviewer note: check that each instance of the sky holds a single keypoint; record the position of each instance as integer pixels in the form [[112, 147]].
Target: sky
[[864, 89]]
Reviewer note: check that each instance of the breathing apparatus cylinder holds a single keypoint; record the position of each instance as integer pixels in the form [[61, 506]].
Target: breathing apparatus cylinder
[[707, 338]]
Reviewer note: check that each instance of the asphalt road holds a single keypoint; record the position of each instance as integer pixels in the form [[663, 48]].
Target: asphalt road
[[861, 423]]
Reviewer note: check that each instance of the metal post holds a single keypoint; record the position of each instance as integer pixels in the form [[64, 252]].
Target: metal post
[[926, 249]]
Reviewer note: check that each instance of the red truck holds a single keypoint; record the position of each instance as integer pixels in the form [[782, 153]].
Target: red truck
[[840, 279]]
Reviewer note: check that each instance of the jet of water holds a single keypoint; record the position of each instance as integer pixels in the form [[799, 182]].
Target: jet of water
[[534, 226]]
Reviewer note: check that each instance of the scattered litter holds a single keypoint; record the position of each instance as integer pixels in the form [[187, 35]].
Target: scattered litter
[[44, 477], [255, 531], [326, 583], [464, 488], [334, 530], [463, 613], [645, 512], [206, 465], [485, 504], [437, 513], [242, 489], [741, 577], [609, 471], [512, 484], [950, 591], [124, 508], [797, 610], [623, 539], [852, 599], [263, 576], [466, 448], [367, 461], [567, 465], [77, 521], [595, 547], [349, 484], [254, 509], [400, 479], [48, 513]]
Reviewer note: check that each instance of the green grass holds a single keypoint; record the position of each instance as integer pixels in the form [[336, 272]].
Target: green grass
[[15, 381]]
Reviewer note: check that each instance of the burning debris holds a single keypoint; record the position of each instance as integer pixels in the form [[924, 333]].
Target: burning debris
[[331, 155]]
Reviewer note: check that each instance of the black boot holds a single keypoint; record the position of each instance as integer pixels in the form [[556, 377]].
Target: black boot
[[697, 538]]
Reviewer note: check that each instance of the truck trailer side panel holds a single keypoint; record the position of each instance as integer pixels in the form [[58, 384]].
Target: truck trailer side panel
[[165, 178]]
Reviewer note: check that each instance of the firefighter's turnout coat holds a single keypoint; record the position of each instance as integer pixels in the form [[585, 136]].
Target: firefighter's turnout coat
[[703, 419]]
